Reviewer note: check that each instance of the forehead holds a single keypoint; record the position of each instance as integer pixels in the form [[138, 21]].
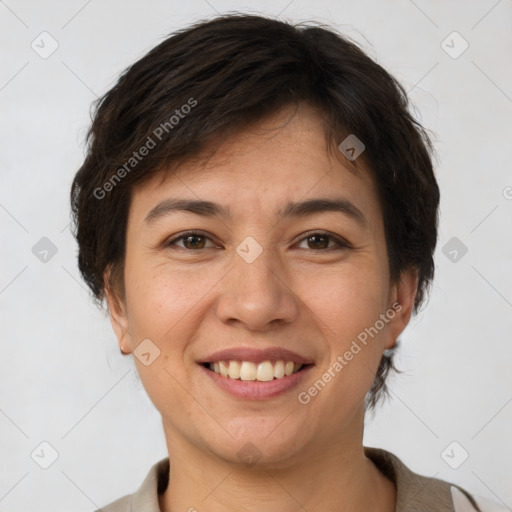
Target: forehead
[[281, 159]]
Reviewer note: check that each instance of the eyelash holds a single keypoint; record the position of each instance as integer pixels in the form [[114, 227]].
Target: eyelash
[[342, 244]]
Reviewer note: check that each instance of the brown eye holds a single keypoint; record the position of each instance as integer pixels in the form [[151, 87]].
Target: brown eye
[[324, 242], [318, 241], [194, 242], [191, 241]]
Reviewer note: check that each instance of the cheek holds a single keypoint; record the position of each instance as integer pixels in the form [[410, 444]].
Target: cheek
[[161, 307], [348, 305], [166, 305], [158, 297], [352, 348], [347, 300]]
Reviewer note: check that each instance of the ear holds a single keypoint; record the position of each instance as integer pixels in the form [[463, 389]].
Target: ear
[[402, 295], [118, 317]]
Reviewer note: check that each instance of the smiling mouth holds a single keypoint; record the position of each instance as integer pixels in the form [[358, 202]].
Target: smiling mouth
[[264, 371]]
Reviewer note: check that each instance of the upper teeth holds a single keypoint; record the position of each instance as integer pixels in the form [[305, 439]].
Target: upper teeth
[[247, 370]]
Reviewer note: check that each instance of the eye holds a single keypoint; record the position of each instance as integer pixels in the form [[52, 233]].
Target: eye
[[318, 241], [192, 240], [321, 241]]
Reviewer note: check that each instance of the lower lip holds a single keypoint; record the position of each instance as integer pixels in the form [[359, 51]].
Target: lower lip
[[254, 389]]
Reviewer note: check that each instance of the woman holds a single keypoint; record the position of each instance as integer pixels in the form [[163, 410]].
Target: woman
[[259, 211]]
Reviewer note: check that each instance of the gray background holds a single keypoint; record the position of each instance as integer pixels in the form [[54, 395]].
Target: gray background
[[63, 380]]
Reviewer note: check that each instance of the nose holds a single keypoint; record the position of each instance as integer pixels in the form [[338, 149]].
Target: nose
[[257, 295]]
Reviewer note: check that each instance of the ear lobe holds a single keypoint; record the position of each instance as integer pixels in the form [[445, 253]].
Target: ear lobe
[[402, 302], [118, 319]]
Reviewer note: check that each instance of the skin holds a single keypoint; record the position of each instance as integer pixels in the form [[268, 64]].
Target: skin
[[297, 295]]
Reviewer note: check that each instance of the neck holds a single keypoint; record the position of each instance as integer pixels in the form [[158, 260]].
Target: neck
[[336, 477]]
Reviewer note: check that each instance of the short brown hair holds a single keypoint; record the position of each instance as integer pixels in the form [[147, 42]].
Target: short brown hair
[[217, 77]]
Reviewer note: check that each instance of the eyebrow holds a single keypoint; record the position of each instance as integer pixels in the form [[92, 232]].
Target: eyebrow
[[292, 209]]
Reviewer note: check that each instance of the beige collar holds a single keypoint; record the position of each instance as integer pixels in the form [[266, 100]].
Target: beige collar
[[414, 492]]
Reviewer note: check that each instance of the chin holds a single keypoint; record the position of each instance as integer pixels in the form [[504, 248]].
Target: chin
[[262, 443]]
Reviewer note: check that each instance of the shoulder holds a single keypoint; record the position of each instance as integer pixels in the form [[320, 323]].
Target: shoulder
[[146, 496], [418, 492], [123, 504], [484, 504]]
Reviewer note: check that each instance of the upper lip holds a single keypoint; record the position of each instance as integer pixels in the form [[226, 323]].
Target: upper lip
[[256, 355]]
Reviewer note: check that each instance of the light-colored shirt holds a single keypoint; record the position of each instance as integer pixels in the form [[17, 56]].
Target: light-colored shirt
[[414, 493]]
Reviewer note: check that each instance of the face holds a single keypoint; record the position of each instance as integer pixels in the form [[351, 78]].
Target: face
[[245, 313]]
